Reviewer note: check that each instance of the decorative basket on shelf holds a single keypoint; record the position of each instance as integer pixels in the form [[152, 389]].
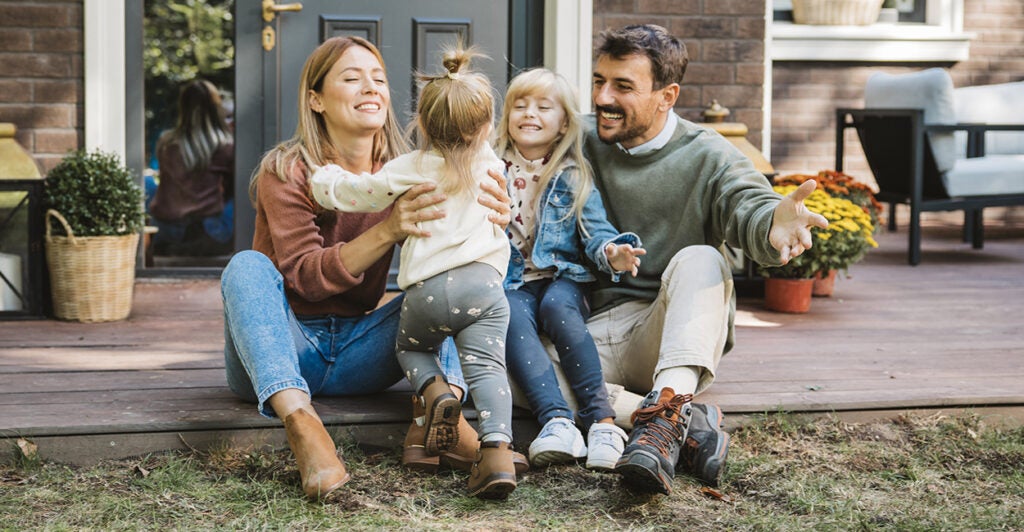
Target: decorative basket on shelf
[[836, 12], [91, 277]]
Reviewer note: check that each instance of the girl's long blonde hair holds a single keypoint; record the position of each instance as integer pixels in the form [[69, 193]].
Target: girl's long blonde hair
[[541, 82], [453, 116], [311, 144]]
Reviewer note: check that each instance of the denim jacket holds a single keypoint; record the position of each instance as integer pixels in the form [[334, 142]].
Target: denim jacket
[[559, 241]]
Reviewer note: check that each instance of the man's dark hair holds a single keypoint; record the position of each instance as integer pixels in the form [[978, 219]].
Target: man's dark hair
[[667, 53]]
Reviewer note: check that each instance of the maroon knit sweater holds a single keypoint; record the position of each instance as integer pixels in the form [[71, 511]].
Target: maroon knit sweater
[[302, 241]]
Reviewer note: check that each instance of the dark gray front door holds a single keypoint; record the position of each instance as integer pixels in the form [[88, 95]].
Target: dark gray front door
[[409, 34]]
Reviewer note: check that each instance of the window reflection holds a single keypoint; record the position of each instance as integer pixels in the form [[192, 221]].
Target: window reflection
[[188, 59]]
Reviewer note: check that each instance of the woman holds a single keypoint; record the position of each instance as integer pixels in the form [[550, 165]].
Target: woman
[[301, 309], [193, 204]]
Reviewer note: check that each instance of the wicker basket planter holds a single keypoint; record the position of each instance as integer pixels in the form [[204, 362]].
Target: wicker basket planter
[[836, 12], [92, 278]]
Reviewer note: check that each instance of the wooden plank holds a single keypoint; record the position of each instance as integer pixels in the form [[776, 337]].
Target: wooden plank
[[42, 359], [46, 382]]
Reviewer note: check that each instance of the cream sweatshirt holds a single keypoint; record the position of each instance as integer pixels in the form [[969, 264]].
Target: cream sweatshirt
[[463, 236]]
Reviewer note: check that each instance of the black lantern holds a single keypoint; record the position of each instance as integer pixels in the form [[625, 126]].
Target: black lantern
[[21, 231]]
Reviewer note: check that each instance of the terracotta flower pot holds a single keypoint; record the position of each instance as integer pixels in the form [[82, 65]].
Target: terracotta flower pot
[[788, 295], [824, 284]]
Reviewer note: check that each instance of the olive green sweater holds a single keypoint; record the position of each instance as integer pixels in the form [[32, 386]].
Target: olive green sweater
[[698, 189]]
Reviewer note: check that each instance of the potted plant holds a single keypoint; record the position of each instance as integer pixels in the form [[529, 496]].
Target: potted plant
[[849, 235], [91, 252], [788, 288]]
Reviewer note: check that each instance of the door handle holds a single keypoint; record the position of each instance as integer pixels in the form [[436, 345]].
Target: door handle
[[270, 9]]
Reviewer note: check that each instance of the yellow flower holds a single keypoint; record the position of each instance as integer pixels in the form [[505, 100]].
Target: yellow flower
[[843, 242]]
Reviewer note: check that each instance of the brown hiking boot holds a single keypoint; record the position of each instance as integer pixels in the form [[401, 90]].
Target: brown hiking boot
[[707, 445], [461, 457], [493, 475], [659, 430], [442, 414], [316, 457]]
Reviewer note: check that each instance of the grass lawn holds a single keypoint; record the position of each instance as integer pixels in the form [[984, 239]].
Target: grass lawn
[[914, 473]]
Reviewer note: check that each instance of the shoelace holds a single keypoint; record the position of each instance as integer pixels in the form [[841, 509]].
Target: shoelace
[[604, 437], [661, 435], [553, 429]]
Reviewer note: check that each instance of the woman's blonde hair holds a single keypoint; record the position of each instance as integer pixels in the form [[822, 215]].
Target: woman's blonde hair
[[453, 114], [543, 83], [311, 144]]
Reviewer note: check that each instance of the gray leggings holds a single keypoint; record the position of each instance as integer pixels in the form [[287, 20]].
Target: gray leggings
[[467, 303]]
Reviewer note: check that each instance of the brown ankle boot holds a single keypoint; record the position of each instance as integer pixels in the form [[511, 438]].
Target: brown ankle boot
[[315, 454], [464, 453], [493, 475], [443, 411], [414, 454]]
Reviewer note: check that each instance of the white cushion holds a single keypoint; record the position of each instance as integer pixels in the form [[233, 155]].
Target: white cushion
[[930, 90], [1001, 103], [984, 176]]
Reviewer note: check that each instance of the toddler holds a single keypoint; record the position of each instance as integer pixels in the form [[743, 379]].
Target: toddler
[[453, 278]]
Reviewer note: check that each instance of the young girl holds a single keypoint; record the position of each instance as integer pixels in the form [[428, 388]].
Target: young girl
[[453, 279], [556, 214]]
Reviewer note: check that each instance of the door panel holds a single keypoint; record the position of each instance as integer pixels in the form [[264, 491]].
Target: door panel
[[410, 36]]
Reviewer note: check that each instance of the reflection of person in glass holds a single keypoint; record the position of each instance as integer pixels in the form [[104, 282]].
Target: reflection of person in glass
[[193, 206]]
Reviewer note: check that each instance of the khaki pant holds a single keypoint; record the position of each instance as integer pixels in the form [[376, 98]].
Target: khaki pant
[[687, 324]]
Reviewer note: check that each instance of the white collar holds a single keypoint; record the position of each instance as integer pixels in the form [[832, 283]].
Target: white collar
[[658, 142]]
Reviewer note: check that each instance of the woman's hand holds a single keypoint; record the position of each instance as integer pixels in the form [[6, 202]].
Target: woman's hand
[[495, 197], [418, 204], [624, 257]]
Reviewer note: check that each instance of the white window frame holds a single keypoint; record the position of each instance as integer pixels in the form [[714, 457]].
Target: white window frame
[[568, 43], [939, 39], [105, 93]]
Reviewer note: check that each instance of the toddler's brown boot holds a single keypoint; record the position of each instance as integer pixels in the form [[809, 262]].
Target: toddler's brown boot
[[316, 456], [461, 457], [414, 454], [442, 413], [493, 475]]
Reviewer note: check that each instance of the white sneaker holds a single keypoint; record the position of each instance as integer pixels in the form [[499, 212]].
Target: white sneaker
[[559, 442], [606, 444]]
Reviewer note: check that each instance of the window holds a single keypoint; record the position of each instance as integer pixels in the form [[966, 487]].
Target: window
[[925, 31]]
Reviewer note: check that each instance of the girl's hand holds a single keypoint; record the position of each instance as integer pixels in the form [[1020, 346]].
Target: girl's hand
[[496, 198], [624, 257], [413, 207]]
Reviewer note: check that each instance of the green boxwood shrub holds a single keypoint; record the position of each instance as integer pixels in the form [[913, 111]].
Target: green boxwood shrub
[[95, 193]]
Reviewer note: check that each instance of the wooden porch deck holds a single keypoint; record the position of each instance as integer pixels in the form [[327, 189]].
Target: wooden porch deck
[[943, 335]]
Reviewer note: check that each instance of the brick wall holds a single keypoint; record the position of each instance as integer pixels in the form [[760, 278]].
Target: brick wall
[[41, 76], [725, 41], [805, 94]]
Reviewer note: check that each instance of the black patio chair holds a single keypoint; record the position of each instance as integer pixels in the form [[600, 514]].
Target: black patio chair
[[912, 152]]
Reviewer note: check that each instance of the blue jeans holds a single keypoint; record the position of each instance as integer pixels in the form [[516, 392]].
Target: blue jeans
[[557, 308], [267, 348]]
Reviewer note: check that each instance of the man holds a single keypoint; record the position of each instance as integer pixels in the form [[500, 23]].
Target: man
[[686, 191]]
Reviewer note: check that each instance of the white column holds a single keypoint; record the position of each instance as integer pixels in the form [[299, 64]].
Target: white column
[[766, 107], [568, 43], [105, 76]]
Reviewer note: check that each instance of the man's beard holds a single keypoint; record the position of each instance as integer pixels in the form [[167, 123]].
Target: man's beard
[[627, 131]]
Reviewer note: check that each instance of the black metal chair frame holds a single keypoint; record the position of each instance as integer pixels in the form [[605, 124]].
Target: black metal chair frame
[[896, 145]]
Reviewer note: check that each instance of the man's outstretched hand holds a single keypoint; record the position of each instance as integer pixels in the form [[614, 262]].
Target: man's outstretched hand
[[791, 223]]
